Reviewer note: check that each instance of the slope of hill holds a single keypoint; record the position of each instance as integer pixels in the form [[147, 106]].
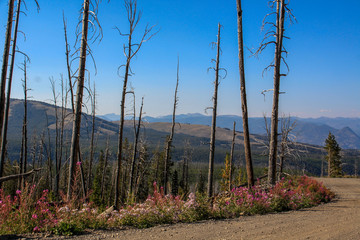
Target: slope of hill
[[307, 130]]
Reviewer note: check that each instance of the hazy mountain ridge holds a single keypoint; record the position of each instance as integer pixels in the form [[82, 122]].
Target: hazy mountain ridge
[[308, 130]]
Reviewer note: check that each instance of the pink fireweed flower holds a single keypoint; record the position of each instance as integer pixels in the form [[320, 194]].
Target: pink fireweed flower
[[18, 192], [34, 216], [36, 229], [78, 163]]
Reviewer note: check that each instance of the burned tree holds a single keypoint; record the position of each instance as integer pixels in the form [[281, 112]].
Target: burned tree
[[7, 105], [24, 138], [232, 157], [88, 17], [276, 30], [171, 136], [249, 167], [5, 66], [136, 140], [130, 50], [92, 140], [214, 114]]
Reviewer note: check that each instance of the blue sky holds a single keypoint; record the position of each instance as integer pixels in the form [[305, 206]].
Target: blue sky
[[324, 55]]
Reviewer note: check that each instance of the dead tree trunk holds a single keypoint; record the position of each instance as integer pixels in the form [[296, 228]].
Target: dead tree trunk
[[133, 161], [91, 159], [247, 147], [232, 158], [67, 53], [79, 96], [130, 51], [280, 12], [171, 136], [213, 123], [104, 170], [7, 106], [23, 153], [5, 67]]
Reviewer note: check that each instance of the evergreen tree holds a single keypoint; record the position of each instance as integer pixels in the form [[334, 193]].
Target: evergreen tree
[[333, 156]]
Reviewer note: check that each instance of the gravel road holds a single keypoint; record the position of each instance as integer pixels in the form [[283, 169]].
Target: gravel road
[[339, 219]]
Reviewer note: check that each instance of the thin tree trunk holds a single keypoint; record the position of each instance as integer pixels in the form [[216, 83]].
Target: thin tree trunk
[[67, 53], [7, 107], [79, 96], [275, 108], [232, 158], [5, 67], [213, 123], [104, 169], [23, 154], [92, 141], [170, 139], [133, 161], [247, 147], [48, 154], [121, 126]]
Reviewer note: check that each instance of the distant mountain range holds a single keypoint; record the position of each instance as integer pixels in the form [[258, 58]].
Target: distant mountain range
[[193, 131], [308, 130]]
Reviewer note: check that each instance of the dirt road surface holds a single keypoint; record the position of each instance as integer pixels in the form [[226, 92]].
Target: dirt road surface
[[339, 219]]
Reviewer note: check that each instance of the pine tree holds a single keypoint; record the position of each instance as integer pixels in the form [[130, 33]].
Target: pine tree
[[333, 156]]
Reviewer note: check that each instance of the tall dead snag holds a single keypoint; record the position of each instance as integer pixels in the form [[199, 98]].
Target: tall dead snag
[[24, 140], [70, 75], [282, 11], [91, 159], [7, 105], [5, 67], [74, 150], [171, 136], [136, 140], [130, 50], [247, 147], [213, 123], [232, 157]]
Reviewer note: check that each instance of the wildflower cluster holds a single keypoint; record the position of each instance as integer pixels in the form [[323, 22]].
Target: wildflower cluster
[[21, 214]]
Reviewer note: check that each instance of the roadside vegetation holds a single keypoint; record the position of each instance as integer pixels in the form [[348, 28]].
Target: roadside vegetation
[[25, 213]]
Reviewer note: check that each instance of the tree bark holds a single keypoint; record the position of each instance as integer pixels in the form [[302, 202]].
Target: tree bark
[[74, 150], [213, 123], [275, 109]]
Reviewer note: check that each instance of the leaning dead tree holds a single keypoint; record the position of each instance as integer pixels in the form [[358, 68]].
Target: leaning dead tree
[[5, 65], [7, 105], [171, 136], [88, 17], [247, 148], [130, 51], [214, 114], [275, 35]]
